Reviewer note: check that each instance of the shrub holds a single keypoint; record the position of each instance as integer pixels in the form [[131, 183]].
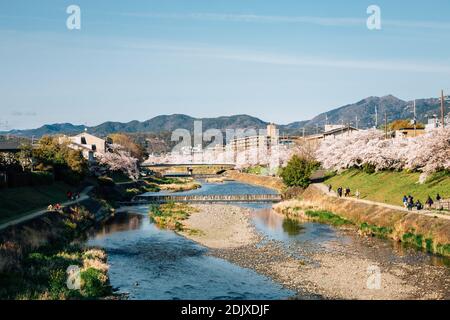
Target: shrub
[[93, 283], [297, 172]]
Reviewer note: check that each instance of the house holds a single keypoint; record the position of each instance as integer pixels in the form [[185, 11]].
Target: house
[[409, 132], [9, 146], [333, 133], [89, 145]]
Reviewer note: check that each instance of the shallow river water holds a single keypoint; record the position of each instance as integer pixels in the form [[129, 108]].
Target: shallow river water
[[149, 263]]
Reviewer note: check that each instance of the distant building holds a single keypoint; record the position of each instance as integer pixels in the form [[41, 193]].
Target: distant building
[[9, 146], [260, 141], [334, 132], [89, 145], [408, 133], [331, 127], [435, 122]]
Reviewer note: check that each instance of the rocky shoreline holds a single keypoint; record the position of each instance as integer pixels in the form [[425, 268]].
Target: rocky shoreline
[[336, 271]]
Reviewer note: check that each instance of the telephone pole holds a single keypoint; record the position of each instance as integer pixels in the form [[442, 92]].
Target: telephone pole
[[376, 117], [415, 121], [385, 126], [356, 123], [442, 109]]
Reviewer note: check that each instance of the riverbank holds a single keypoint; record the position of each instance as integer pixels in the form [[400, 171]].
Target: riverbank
[[428, 232], [35, 256], [273, 183], [390, 186], [336, 272]]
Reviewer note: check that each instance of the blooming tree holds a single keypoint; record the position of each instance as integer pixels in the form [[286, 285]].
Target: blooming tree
[[427, 153], [120, 160]]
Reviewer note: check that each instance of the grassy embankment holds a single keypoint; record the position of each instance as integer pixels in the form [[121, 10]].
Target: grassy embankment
[[390, 187], [422, 231], [171, 216], [17, 202], [34, 258]]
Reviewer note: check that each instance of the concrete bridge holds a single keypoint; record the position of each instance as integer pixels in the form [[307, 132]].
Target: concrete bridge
[[189, 169], [211, 198]]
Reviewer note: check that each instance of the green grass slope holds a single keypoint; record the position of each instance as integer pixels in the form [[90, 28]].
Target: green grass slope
[[16, 202], [389, 187]]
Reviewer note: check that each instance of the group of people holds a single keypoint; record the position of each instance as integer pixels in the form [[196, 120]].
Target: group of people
[[71, 196], [343, 192], [408, 202], [56, 207]]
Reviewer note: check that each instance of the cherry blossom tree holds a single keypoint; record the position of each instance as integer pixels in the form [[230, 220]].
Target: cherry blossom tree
[[427, 153], [120, 160]]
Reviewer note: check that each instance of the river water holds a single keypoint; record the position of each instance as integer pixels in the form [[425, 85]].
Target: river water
[[149, 263]]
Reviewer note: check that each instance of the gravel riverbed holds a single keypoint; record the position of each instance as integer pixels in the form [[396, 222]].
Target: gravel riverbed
[[338, 271]]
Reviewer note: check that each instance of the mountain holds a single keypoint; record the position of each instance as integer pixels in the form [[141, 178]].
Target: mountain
[[363, 111], [48, 129], [159, 124]]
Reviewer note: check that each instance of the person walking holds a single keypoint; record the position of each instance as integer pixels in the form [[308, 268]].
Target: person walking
[[410, 203], [330, 188], [429, 203], [419, 205], [405, 201], [438, 197]]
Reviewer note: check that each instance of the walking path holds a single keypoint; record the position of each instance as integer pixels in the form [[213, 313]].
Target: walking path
[[83, 196], [430, 213]]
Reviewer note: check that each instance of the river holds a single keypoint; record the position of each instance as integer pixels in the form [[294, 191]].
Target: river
[[149, 263]]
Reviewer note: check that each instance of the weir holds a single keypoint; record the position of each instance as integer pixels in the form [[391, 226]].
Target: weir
[[211, 198]]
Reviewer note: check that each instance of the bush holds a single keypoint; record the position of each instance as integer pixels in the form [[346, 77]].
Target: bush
[[297, 172], [93, 283]]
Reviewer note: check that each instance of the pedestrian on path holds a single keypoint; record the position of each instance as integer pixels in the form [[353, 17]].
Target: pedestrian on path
[[429, 203], [405, 201]]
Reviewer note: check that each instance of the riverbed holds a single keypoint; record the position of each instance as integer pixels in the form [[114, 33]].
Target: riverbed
[[279, 258]]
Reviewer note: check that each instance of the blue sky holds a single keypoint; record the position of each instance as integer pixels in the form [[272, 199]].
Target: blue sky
[[281, 61]]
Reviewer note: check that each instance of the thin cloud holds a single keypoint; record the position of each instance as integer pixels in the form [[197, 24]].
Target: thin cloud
[[321, 21], [292, 60]]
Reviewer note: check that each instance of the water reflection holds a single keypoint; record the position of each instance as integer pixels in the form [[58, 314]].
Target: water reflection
[[278, 227], [149, 263], [292, 227]]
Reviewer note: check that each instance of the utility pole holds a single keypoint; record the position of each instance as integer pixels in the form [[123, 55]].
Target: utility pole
[[415, 119], [385, 126], [303, 132], [376, 117], [442, 109], [356, 123]]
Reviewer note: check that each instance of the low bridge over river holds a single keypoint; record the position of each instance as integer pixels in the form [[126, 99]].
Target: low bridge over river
[[210, 198]]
